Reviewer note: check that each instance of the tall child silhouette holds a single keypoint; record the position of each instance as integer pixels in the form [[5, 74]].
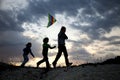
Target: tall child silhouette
[[61, 47], [46, 46], [26, 51]]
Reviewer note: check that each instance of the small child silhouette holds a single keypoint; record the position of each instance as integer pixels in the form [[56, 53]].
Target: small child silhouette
[[46, 46], [26, 51]]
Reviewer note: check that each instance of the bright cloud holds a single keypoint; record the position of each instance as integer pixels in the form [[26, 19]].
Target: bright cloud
[[13, 4], [114, 32]]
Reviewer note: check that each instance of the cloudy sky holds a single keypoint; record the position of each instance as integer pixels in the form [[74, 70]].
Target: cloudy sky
[[93, 28]]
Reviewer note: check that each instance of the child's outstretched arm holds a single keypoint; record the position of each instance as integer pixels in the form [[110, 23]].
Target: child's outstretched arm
[[52, 47], [32, 53]]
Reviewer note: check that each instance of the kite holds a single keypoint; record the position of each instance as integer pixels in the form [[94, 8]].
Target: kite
[[51, 20]]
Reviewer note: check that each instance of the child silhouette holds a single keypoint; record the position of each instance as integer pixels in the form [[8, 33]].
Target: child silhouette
[[26, 51], [62, 48], [46, 46]]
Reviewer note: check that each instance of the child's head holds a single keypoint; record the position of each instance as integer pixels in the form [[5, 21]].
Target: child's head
[[63, 29], [46, 40], [29, 44]]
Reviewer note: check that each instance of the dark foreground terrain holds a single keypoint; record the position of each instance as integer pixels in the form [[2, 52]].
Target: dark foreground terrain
[[107, 70]]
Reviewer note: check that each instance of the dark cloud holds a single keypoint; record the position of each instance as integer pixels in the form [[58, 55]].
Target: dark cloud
[[37, 9], [12, 38], [115, 42], [112, 38], [41, 7], [80, 42], [109, 10], [8, 23], [101, 14]]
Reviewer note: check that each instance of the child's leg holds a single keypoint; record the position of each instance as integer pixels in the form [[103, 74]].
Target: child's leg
[[65, 55], [57, 56], [47, 66], [39, 62], [25, 60], [47, 63]]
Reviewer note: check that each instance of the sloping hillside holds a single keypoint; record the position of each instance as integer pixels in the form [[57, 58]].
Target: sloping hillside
[[88, 72]]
